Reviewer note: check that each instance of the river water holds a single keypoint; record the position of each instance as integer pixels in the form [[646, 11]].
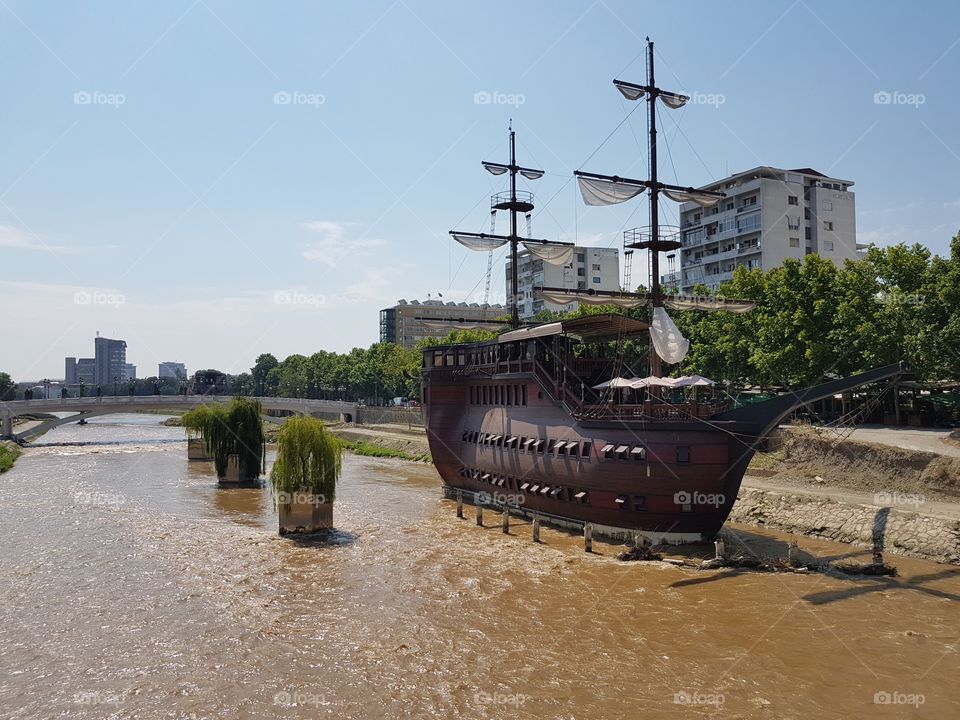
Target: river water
[[131, 586]]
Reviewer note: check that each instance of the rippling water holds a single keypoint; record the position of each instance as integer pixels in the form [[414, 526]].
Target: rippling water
[[131, 586]]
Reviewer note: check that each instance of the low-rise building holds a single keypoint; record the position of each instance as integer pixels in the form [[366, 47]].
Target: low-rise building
[[407, 323]]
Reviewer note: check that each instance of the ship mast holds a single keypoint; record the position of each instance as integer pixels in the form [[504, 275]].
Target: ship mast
[[611, 189], [515, 201]]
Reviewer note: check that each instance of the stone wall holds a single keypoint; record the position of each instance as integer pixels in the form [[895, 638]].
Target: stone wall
[[376, 415], [895, 531]]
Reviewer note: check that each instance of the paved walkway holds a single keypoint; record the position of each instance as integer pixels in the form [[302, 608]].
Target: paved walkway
[[925, 439]]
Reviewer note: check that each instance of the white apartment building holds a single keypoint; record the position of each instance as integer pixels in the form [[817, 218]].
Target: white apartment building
[[592, 267], [767, 216]]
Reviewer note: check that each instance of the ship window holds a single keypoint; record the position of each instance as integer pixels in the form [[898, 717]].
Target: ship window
[[534, 490], [622, 501], [525, 486], [561, 447], [572, 448], [557, 492], [524, 394], [485, 477], [639, 453], [542, 446], [527, 443], [438, 359], [581, 496], [622, 451], [509, 394], [466, 434], [640, 502], [486, 396], [461, 357], [510, 441], [586, 450], [607, 450], [502, 481], [683, 453], [545, 489]]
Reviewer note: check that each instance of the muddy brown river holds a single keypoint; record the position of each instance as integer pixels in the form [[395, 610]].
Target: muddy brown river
[[131, 586]]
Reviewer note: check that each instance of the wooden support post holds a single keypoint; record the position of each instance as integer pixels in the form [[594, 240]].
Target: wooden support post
[[506, 520], [536, 527], [718, 549], [459, 503], [479, 511], [588, 537]]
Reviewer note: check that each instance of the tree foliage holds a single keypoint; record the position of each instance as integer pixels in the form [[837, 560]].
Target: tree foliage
[[233, 428], [308, 459]]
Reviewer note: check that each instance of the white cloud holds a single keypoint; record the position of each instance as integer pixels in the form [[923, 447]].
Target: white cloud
[[333, 243], [16, 239]]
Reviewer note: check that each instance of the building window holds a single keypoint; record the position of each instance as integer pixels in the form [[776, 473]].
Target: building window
[[596, 266], [581, 272], [828, 225], [806, 233], [827, 205], [581, 257], [683, 453], [792, 200], [828, 245], [596, 280], [795, 242]]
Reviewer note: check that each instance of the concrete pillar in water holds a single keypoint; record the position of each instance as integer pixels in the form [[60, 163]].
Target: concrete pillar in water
[[506, 520], [479, 512], [536, 527], [459, 503], [7, 429], [588, 537], [718, 549]]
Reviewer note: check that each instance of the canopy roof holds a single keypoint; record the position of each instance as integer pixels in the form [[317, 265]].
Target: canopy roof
[[589, 327]]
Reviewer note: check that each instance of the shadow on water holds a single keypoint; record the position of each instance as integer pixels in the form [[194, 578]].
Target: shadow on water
[[762, 547], [331, 537]]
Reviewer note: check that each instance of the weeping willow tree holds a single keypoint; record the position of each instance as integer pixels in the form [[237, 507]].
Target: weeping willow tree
[[308, 459], [229, 429]]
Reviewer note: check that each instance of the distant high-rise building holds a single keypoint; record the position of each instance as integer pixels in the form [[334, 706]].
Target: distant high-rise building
[[767, 216], [173, 370], [87, 371], [70, 371], [407, 323], [129, 372], [592, 267], [110, 356]]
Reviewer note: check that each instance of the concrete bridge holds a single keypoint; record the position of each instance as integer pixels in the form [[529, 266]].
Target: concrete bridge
[[88, 407]]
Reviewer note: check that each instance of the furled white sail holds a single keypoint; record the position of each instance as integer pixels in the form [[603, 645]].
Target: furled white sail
[[479, 242], [553, 253], [463, 324], [667, 340], [702, 199], [563, 298], [709, 304], [607, 192], [673, 100]]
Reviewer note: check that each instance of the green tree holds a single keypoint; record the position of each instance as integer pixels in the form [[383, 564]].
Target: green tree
[[260, 372], [7, 387]]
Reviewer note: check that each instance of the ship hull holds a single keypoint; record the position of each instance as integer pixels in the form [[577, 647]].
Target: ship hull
[[673, 482]]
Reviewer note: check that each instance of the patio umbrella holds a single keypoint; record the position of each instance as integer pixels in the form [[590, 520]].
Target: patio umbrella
[[617, 382], [692, 380], [651, 381]]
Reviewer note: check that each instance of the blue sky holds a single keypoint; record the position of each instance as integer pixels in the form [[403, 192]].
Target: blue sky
[[210, 180]]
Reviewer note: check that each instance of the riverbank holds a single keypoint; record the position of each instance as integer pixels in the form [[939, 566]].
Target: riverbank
[[9, 452]]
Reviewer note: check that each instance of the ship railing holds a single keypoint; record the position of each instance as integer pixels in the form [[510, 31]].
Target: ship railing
[[649, 411]]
